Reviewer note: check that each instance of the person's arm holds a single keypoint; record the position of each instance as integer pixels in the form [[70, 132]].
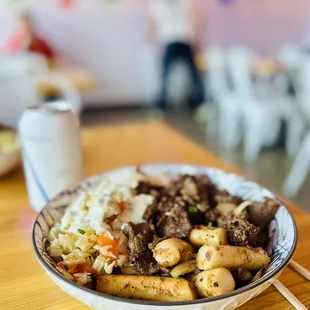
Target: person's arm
[[151, 24], [196, 20]]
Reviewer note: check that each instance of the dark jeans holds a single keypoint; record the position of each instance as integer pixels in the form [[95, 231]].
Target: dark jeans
[[181, 51]]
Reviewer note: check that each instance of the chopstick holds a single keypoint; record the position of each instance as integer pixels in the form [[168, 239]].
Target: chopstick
[[300, 269], [288, 295]]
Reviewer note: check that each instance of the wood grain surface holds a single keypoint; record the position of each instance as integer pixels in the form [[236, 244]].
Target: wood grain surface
[[24, 283]]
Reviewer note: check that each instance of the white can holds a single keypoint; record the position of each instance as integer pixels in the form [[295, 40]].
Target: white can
[[51, 150]]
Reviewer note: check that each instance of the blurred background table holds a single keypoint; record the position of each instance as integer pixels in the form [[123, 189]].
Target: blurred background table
[[25, 285], [262, 66], [81, 79]]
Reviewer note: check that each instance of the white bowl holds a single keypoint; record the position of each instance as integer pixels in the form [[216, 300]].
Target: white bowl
[[282, 231]]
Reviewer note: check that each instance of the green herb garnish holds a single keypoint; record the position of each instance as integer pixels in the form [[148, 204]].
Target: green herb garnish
[[81, 231], [210, 227], [192, 209]]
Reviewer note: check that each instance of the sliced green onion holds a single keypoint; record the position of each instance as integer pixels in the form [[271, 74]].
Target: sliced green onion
[[192, 209], [210, 227], [81, 231]]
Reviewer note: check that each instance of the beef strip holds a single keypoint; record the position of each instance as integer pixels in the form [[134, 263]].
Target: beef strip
[[242, 276], [240, 232], [196, 218], [151, 212], [176, 224], [224, 196], [206, 190], [167, 203], [147, 188], [140, 256], [261, 240], [168, 216], [261, 214], [159, 208], [194, 189], [211, 217]]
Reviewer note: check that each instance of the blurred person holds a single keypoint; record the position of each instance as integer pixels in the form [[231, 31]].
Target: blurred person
[[25, 39], [175, 22]]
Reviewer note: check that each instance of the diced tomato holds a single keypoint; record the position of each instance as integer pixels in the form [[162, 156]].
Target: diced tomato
[[103, 240], [114, 249], [79, 268], [86, 268], [61, 265], [71, 268], [122, 204], [65, 266]]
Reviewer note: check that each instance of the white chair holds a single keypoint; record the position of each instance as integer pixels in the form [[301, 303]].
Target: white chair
[[229, 121], [299, 170], [290, 57], [260, 116], [239, 61], [216, 85], [216, 80], [21, 70], [23, 64], [298, 123], [15, 95]]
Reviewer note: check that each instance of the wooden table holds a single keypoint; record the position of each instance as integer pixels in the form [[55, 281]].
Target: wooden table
[[25, 284], [81, 79], [261, 67]]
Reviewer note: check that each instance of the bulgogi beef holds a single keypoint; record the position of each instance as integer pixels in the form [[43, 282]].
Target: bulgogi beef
[[223, 196], [240, 232], [242, 276], [261, 213], [167, 203], [151, 212], [196, 189], [159, 211], [140, 256], [175, 224], [169, 214], [211, 216], [147, 188]]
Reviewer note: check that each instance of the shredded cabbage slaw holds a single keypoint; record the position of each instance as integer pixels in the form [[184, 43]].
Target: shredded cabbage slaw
[[89, 240]]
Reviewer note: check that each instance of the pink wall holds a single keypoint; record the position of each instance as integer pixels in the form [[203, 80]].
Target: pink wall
[[261, 24], [109, 39]]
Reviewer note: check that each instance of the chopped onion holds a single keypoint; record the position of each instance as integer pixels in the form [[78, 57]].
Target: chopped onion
[[242, 207], [98, 264], [183, 268], [56, 249]]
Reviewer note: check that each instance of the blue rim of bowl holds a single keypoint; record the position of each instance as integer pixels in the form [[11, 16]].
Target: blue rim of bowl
[[173, 303]]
